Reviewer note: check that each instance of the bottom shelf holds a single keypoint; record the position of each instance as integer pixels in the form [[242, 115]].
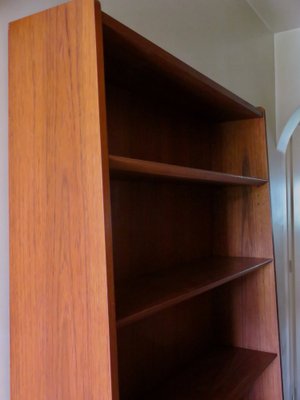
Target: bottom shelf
[[227, 373]]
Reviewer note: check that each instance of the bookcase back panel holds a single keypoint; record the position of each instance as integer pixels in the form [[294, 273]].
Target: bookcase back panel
[[159, 225], [132, 60], [142, 128], [151, 351], [245, 316]]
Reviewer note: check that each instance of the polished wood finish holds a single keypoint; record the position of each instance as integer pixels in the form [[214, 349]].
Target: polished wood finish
[[132, 167], [62, 315], [158, 225], [191, 263], [151, 293], [172, 137], [248, 213], [225, 373], [249, 320], [140, 61]]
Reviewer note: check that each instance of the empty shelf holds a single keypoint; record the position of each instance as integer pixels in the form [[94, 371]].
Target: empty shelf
[[148, 294], [227, 373], [129, 166], [126, 49]]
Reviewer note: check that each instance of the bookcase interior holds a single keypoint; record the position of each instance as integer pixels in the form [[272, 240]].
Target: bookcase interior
[[188, 256]]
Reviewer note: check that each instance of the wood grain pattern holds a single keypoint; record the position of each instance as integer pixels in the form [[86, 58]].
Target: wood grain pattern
[[149, 220], [158, 225], [248, 320], [225, 373], [246, 212], [151, 293], [240, 148], [141, 63], [174, 136], [125, 166], [62, 316], [152, 350]]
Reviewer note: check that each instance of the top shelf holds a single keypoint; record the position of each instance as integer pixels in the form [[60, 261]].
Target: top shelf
[[129, 54]]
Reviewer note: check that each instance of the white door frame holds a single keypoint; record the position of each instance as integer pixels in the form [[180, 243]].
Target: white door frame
[[289, 144], [290, 273]]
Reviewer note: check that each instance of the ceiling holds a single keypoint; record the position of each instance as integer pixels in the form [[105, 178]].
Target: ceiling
[[278, 15]]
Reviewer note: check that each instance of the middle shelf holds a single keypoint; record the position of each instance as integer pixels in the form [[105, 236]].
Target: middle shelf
[[140, 297], [124, 166]]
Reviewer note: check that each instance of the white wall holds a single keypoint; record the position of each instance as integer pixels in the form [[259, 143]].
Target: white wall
[[223, 39], [287, 66]]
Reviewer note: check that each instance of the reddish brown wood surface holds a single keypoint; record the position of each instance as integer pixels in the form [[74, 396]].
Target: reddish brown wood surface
[[148, 294], [128, 166], [160, 224], [157, 225], [62, 318], [246, 212], [226, 373], [154, 349], [239, 147], [131, 56]]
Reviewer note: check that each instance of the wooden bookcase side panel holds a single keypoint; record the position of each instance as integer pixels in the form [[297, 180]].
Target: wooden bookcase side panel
[[61, 327], [107, 215], [268, 384], [246, 316], [242, 222], [242, 227], [240, 148]]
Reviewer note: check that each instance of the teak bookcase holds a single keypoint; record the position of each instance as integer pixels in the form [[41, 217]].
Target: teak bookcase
[[140, 229]]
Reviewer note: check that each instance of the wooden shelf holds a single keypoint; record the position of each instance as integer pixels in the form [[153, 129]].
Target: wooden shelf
[[151, 293], [120, 166], [126, 49], [227, 373]]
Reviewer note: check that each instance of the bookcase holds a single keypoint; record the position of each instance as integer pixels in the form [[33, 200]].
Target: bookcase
[[142, 261]]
